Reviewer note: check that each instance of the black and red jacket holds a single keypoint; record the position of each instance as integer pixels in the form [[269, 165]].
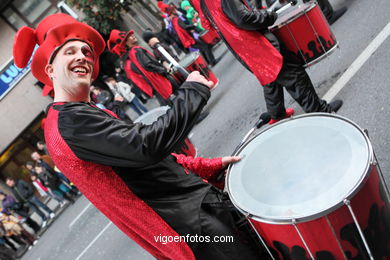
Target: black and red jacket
[[127, 170], [151, 75]]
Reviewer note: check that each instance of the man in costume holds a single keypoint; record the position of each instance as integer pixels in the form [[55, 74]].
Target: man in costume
[[245, 31], [142, 67], [127, 170], [181, 31]]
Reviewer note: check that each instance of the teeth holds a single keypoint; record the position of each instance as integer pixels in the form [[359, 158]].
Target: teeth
[[81, 70]]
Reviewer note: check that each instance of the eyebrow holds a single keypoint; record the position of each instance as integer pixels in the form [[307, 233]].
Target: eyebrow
[[75, 47]]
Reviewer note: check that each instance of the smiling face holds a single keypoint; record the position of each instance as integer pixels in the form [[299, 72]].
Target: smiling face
[[72, 67]]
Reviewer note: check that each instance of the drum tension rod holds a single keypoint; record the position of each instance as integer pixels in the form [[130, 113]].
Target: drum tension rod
[[348, 204], [294, 222], [259, 236]]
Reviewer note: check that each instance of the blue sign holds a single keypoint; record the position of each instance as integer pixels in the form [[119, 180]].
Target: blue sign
[[10, 75]]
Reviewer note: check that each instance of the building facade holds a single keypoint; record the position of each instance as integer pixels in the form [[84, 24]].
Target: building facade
[[21, 102]]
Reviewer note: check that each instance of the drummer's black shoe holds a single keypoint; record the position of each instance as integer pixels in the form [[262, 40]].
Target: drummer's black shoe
[[335, 105], [336, 15]]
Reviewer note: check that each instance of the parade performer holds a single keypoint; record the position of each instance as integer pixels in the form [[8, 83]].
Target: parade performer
[[127, 170], [142, 67], [245, 31], [181, 32]]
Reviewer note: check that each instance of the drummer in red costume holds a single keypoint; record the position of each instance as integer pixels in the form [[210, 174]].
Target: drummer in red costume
[[141, 66], [127, 170], [245, 30], [181, 32]]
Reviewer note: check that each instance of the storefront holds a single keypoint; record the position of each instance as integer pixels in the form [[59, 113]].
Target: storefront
[[21, 102]]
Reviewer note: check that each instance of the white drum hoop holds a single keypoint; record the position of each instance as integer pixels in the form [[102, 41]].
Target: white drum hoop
[[285, 221], [189, 59], [301, 11], [151, 116]]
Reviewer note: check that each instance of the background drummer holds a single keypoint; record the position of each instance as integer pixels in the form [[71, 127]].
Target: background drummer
[[143, 63], [183, 33], [245, 30]]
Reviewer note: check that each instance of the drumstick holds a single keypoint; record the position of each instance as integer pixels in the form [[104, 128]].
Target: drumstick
[[285, 7], [181, 69], [264, 119]]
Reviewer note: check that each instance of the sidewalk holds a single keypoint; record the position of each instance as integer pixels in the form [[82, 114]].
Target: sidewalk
[[53, 205]]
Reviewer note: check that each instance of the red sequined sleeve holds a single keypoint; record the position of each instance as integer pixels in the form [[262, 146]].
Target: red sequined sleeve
[[204, 167]]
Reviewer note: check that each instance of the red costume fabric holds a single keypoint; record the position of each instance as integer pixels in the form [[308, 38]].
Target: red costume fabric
[[251, 47], [108, 193], [137, 79], [160, 83], [186, 39]]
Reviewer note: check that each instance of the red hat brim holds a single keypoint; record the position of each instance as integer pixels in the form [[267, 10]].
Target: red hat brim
[[57, 37]]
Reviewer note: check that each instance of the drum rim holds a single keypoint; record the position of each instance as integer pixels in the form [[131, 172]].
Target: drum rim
[[310, 6], [141, 117], [323, 56], [284, 221], [194, 54]]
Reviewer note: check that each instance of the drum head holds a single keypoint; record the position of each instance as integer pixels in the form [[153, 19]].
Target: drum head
[[151, 116], [299, 169], [292, 14], [189, 59]]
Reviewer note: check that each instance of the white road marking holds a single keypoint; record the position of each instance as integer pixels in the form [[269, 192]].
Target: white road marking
[[81, 213], [94, 240], [358, 63]]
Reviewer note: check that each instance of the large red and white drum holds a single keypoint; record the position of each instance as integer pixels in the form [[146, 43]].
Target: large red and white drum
[[311, 189], [195, 62], [305, 31], [151, 116]]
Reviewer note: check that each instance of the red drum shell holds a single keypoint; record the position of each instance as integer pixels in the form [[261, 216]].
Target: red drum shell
[[335, 235], [306, 33], [210, 37], [195, 62]]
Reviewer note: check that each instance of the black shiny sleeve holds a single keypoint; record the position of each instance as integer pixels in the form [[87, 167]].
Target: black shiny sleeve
[[149, 63], [95, 136], [245, 18]]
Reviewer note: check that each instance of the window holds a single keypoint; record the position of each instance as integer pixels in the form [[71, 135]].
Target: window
[[13, 18], [31, 9], [20, 13]]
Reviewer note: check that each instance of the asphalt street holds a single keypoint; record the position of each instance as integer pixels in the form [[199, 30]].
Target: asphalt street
[[82, 232]]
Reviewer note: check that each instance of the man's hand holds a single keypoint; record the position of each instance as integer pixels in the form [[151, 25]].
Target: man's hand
[[196, 77], [229, 159]]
